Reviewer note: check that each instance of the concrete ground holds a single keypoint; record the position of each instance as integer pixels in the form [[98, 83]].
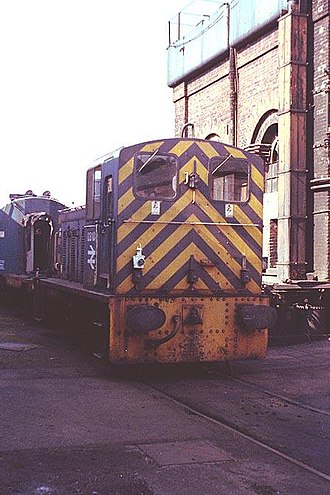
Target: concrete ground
[[70, 424]]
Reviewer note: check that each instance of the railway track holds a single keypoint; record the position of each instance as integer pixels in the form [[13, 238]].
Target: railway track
[[287, 428], [282, 397], [99, 422]]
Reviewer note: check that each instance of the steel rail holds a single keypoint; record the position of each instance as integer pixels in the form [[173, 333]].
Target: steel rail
[[240, 433], [278, 396]]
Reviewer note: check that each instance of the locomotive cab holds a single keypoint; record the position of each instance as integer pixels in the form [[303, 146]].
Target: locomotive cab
[[173, 234], [29, 222]]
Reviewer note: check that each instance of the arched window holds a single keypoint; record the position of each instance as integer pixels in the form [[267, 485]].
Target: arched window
[[272, 168], [265, 143]]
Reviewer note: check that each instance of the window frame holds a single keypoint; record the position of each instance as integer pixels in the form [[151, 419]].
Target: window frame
[[93, 207], [136, 172], [211, 178]]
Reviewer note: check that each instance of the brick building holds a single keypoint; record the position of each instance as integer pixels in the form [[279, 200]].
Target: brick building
[[256, 74]]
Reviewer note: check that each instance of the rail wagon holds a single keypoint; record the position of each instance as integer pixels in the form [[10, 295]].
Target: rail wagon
[[164, 263]]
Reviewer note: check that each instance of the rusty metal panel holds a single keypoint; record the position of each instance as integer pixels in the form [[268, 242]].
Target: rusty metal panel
[[212, 333]]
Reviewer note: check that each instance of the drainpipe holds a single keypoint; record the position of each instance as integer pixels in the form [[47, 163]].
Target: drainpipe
[[233, 94], [327, 115], [233, 86], [320, 180], [186, 102], [187, 124], [228, 22]]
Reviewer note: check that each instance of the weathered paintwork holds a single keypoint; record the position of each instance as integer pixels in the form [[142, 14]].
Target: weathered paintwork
[[192, 224], [216, 336], [174, 267]]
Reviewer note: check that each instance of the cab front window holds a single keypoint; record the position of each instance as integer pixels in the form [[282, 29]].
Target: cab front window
[[229, 179], [155, 176]]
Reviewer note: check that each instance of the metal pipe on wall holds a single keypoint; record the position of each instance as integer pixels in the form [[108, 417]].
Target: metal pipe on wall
[[233, 94], [233, 81]]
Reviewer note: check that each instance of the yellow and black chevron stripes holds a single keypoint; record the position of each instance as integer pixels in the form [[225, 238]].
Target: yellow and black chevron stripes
[[232, 234], [174, 267], [207, 148], [180, 147], [257, 178], [234, 152], [190, 166], [126, 171], [169, 244], [229, 231], [190, 229], [144, 211], [244, 220]]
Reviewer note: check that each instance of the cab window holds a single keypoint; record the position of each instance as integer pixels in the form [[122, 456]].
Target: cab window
[[93, 200], [155, 176], [229, 179]]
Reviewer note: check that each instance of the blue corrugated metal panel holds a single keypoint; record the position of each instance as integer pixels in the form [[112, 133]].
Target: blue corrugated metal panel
[[209, 39], [12, 255], [11, 245]]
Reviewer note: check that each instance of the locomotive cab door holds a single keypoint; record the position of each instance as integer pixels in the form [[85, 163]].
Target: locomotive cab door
[[41, 255], [39, 228], [93, 213], [99, 231], [106, 236]]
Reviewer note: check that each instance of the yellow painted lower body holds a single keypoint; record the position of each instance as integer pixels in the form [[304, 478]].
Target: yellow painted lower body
[[218, 336]]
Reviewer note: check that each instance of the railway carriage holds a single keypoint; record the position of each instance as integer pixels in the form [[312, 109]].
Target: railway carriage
[[164, 263]]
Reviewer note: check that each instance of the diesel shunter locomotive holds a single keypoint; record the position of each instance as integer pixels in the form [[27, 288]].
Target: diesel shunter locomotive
[[164, 262]]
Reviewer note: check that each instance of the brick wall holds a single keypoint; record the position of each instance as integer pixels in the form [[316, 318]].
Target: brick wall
[[206, 104], [257, 84], [208, 95]]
